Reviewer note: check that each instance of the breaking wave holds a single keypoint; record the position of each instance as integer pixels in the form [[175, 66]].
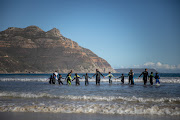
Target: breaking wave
[[89, 98], [163, 80], [94, 108]]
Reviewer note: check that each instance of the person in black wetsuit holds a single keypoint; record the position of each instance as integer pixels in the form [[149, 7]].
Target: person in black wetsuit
[[51, 79], [98, 76], [151, 78], [54, 79], [145, 76], [86, 79], [68, 75], [122, 78], [59, 79], [77, 79], [131, 75]]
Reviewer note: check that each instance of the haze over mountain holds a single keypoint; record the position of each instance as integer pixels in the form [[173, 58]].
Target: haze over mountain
[[31, 49]]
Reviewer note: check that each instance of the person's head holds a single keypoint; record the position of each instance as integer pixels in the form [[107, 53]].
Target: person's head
[[131, 70], [109, 72], [60, 75], [156, 73], [86, 73], [151, 72], [71, 71], [122, 74], [146, 69], [55, 70], [76, 74], [51, 76], [97, 70]]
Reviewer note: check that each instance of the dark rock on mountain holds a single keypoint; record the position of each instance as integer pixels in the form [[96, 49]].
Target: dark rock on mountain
[[31, 49]]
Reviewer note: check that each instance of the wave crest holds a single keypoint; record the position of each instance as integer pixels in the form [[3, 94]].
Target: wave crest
[[95, 108], [89, 98]]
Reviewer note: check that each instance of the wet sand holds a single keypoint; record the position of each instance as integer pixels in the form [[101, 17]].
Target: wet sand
[[73, 116]]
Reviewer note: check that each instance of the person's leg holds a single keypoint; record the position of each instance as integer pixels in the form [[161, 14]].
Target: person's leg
[[61, 82], [144, 81], [99, 81], [54, 81], [132, 82], [69, 82], [150, 81], [50, 81]]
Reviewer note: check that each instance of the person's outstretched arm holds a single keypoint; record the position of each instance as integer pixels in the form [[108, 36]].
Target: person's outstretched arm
[[67, 75], [94, 75], [102, 75], [140, 75]]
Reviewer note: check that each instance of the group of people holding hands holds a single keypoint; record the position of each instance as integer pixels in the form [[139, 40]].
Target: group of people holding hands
[[58, 77]]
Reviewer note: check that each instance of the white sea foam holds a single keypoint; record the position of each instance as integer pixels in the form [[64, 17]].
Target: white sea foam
[[163, 80], [25, 79], [94, 108], [89, 98]]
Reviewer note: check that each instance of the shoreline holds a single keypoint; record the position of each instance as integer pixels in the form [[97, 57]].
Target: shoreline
[[79, 116]]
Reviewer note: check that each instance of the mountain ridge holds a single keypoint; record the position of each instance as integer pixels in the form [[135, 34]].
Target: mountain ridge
[[31, 49]]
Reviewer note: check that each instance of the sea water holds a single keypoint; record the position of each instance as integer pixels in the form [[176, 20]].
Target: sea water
[[33, 93]]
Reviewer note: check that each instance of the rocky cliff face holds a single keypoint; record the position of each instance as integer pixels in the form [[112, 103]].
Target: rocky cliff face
[[33, 50]]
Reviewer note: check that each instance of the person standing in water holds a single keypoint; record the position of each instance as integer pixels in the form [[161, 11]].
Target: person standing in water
[[151, 78], [59, 79], [68, 75], [157, 77], [122, 78], [86, 79], [77, 79], [110, 76], [98, 77], [145, 76], [51, 79], [55, 77], [131, 77], [69, 79]]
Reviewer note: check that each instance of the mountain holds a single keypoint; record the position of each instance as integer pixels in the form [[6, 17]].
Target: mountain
[[31, 49], [135, 70]]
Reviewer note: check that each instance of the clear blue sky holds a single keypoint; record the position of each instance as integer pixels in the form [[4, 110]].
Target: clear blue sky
[[123, 32]]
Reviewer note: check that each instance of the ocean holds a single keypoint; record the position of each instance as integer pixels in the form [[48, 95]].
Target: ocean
[[33, 93]]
